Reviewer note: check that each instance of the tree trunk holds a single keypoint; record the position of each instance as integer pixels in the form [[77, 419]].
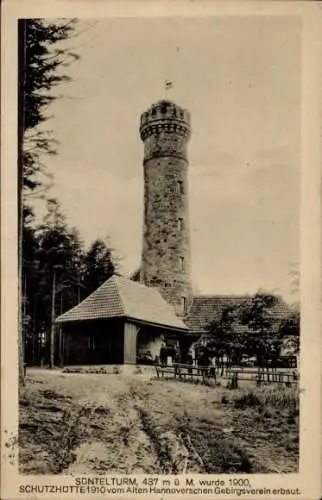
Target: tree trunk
[[34, 338], [21, 349], [21, 113], [61, 334], [52, 329], [78, 289]]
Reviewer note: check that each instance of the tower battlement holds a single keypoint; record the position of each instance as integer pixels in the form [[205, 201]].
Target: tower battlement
[[165, 116], [165, 130]]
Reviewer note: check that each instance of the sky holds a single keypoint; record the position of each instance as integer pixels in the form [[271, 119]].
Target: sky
[[240, 79]]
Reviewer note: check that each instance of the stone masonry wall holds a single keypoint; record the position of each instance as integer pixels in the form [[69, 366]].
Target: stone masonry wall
[[166, 237]]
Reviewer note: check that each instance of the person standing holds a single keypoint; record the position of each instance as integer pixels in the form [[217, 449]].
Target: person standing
[[163, 354]]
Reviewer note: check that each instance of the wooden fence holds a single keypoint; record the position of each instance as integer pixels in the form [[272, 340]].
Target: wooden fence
[[234, 375]]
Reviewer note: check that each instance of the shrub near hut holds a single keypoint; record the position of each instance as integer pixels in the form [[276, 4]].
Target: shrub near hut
[[257, 329]]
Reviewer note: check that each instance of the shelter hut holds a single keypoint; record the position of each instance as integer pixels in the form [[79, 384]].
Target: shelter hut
[[116, 322]]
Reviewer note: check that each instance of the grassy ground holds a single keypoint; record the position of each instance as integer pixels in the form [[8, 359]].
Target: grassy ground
[[90, 423]]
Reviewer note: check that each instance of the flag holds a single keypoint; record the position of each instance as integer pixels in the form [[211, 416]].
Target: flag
[[168, 84]]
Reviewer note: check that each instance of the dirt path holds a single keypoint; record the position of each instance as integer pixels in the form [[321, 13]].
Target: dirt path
[[104, 430], [118, 442], [80, 423]]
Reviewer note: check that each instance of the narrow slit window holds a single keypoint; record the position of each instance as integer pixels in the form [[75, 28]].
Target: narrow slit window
[[181, 259], [180, 223], [180, 187], [183, 304]]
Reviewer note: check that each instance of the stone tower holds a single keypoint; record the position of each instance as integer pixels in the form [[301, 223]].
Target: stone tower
[[165, 131]]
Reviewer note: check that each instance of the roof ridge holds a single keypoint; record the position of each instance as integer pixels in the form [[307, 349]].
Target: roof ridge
[[136, 283], [210, 296], [118, 291]]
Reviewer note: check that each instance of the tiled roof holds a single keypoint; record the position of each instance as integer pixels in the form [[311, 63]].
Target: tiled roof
[[206, 308], [121, 297]]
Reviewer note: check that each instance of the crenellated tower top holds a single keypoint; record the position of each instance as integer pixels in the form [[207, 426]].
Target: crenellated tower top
[[165, 116], [165, 130]]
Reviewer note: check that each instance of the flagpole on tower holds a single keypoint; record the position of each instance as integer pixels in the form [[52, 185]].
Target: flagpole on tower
[[167, 86]]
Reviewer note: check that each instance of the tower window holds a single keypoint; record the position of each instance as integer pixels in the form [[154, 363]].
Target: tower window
[[181, 259], [180, 187], [183, 304], [180, 223]]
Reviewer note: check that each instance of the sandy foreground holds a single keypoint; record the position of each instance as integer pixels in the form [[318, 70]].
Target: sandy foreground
[[132, 423]]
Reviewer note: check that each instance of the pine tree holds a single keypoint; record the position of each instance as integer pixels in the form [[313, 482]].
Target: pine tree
[[39, 61], [99, 265], [59, 256]]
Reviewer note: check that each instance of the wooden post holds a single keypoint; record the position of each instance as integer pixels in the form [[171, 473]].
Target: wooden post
[[259, 378], [130, 341], [235, 380]]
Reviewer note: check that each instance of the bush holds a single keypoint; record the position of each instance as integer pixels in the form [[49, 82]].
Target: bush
[[247, 400], [278, 397], [227, 456]]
